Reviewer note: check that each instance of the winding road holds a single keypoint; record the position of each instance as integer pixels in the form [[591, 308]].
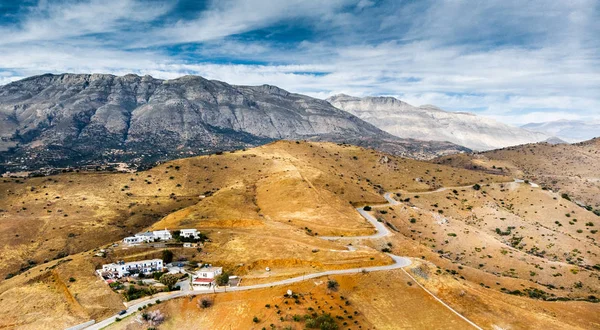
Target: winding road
[[380, 231]]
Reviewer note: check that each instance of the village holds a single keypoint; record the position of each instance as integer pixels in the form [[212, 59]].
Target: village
[[137, 279]]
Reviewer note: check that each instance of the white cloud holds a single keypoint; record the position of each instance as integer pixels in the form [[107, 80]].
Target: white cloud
[[230, 17], [435, 58], [58, 20]]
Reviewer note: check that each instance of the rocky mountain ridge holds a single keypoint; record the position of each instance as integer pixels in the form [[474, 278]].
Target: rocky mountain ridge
[[81, 119], [431, 123]]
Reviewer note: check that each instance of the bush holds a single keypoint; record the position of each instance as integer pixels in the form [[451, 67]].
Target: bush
[[367, 208], [476, 186], [323, 322], [332, 285], [255, 320], [167, 256], [72, 279], [169, 280], [223, 279], [205, 303]]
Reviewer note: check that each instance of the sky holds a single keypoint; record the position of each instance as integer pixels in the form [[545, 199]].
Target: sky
[[513, 60]]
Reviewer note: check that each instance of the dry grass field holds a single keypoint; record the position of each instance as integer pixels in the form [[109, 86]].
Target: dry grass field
[[567, 168], [267, 207], [383, 300], [513, 231]]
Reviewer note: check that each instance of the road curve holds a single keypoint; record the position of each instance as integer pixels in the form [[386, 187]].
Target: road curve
[[381, 231]]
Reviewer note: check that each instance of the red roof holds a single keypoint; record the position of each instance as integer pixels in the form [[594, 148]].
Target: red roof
[[203, 280]]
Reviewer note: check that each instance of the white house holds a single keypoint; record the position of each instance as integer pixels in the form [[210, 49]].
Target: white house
[[121, 268], [193, 233], [131, 240], [204, 278], [149, 236], [163, 235]]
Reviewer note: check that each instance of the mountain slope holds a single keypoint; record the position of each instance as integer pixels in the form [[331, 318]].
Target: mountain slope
[[431, 123], [567, 168], [81, 118], [568, 130]]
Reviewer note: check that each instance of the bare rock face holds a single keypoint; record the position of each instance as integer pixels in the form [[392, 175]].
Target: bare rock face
[[78, 119], [430, 123]]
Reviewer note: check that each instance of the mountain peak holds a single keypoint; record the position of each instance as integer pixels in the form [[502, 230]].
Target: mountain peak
[[74, 119]]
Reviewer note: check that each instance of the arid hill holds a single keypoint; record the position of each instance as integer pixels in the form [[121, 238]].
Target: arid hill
[[571, 169], [502, 253]]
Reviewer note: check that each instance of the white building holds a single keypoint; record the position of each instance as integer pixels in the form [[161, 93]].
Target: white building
[[204, 278], [193, 233], [149, 236], [121, 269], [163, 235]]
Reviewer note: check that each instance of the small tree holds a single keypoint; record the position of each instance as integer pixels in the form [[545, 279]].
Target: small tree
[[177, 234], [223, 279], [167, 256], [169, 280], [367, 208], [476, 186]]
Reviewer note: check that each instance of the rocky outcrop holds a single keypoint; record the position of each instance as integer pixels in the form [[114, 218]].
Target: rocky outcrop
[[74, 119], [434, 124]]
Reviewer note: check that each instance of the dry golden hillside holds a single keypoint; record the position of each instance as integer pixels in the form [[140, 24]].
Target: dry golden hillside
[[267, 207], [384, 300], [305, 185], [567, 168], [505, 236]]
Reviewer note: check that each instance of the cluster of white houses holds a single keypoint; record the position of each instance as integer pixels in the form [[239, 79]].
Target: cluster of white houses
[[121, 269], [159, 235], [203, 279]]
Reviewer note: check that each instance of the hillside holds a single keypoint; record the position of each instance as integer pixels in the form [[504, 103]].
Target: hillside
[[96, 119], [430, 123], [566, 168], [268, 207]]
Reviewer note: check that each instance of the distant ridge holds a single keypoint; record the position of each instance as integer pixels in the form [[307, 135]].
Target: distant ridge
[[431, 123], [568, 130]]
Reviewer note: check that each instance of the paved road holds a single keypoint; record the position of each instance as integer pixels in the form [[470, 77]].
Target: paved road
[[381, 231], [380, 228], [399, 262]]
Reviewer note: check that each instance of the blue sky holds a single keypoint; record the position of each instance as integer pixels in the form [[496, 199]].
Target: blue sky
[[515, 61]]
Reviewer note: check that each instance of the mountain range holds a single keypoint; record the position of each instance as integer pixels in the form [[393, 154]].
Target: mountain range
[[568, 130], [80, 119], [431, 123]]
